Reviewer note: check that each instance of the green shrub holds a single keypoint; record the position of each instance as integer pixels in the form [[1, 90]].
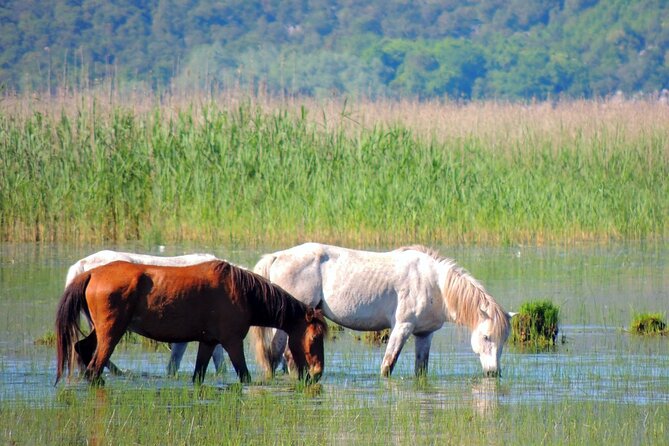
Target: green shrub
[[536, 325], [648, 324], [375, 338], [48, 339]]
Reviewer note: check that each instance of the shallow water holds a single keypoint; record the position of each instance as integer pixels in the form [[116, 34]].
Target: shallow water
[[598, 289]]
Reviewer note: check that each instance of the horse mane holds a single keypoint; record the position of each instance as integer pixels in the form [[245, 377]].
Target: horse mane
[[465, 296], [261, 293]]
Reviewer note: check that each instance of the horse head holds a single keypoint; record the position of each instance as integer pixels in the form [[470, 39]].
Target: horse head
[[306, 345], [488, 338]]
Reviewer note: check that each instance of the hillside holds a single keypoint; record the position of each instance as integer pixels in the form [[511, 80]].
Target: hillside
[[457, 49]]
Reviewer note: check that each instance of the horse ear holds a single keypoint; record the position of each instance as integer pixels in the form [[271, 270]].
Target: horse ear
[[310, 314]]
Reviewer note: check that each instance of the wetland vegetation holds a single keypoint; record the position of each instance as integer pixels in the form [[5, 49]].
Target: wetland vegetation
[[648, 324], [565, 200], [536, 325], [258, 171]]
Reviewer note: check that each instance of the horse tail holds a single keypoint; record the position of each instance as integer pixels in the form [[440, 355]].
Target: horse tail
[[262, 337], [71, 305]]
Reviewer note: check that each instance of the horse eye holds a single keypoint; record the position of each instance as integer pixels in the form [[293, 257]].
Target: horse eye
[[486, 338]]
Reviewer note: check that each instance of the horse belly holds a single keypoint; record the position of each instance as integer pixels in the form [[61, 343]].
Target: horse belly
[[168, 330], [178, 320], [359, 313]]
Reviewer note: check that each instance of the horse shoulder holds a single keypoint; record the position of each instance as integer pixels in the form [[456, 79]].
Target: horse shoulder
[[420, 290]]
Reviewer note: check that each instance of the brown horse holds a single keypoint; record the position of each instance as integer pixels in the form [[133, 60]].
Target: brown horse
[[212, 302]]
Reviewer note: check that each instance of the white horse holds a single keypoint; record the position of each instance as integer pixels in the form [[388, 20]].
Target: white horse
[[411, 290], [106, 256]]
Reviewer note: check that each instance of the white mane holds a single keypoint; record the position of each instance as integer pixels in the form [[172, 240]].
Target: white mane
[[464, 296]]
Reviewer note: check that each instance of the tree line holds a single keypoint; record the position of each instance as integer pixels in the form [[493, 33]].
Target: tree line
[[460, 49]]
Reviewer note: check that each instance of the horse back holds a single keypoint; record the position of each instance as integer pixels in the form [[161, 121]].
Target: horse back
[[155, 299]]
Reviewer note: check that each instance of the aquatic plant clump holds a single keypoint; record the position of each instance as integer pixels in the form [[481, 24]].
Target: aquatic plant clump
[[535, 325], [648, 324], [377, 338]]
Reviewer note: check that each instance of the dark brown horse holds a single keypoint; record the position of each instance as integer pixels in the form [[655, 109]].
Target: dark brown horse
[[212, 302]]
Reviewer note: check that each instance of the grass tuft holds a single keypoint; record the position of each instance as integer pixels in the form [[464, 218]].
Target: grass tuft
[[535, 327], [648, 324], [375, 338]]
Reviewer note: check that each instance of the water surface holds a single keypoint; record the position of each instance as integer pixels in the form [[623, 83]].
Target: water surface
[[598, 288]]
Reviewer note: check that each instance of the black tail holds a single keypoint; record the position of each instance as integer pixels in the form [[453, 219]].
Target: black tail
[[68, 315]]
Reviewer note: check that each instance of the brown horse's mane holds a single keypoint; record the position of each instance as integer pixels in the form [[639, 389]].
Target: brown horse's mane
[[466, 296], [261, 293]]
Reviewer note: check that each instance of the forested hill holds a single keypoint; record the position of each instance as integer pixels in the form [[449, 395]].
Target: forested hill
[[448, 48]]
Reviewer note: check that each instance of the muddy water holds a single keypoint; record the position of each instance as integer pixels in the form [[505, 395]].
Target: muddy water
[[597, 287]]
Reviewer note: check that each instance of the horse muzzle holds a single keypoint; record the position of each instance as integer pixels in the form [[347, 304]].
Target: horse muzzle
[[314, 375]]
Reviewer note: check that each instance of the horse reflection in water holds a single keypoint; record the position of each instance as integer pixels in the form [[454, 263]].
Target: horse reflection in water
[[411, 290], [212, 303], [485, 396], [106, 256], [98, 424]]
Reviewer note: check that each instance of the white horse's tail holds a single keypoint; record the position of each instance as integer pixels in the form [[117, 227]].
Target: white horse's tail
[[263, 338]]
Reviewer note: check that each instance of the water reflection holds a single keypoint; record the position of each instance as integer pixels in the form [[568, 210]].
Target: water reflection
[[485, 396], [98, 422]]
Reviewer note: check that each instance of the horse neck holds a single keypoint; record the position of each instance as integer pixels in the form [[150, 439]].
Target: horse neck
[[269, 305], [283, 318], [464, 297]]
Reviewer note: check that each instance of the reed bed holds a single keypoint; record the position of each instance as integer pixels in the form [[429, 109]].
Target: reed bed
[[265, 171]]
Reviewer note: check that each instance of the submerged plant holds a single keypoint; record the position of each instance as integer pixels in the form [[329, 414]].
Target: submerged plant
[[648, 324], [536, 325], [48, 339], [375, 338]]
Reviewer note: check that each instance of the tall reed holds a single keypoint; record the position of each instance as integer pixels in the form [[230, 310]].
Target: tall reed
[[257, 172]]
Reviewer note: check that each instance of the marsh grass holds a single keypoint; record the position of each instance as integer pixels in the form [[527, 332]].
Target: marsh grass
[[376, 338], [129, 338], [48, 339], [261, 171], [535, 327], [264, 415], [648, 324]]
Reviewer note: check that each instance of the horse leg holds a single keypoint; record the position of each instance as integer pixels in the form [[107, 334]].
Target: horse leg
[[204, 351], [106, 344], [219, 358], [398, 336], [113, 369], [177, 353], [108, 336], [280, 352], [288, 363], [235, 351], [422, 353], [85, 349]]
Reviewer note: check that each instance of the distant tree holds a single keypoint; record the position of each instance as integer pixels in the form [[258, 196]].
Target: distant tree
[[456, 48]]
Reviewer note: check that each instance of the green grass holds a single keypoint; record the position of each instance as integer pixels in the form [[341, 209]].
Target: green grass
[[129, 338], [648, 324], [253, 175], [536, 325], [234, 416]]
